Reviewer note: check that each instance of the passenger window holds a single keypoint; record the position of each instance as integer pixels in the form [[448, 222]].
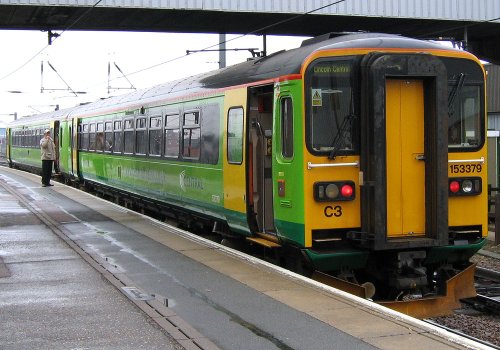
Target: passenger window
[[108, 136], [287, 127], [128, 136], [84, 137], [172, 135], [141, 136], [92, 130], [117, 136], [100, 137], [235, 135], [155, 133], [191, 135]]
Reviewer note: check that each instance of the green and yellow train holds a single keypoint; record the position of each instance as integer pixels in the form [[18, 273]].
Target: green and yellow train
[[362, 155]]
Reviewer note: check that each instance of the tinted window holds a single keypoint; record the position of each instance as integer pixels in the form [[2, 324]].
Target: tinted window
[[191, 143], [84, 139], [191, 135], [108, 136], [128, 136], [287, 127], [465, 105], [141, 139], [117, 136], [100, 137], [172, 135], [92, 129], [235, 135], [155, 133], [210, 131], [330, 105]]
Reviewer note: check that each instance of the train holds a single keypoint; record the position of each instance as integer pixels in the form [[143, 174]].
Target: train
[[361, 155]]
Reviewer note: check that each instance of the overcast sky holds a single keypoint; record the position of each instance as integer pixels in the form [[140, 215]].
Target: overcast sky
[[81, 59]]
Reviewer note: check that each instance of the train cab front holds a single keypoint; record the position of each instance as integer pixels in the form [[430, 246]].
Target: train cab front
[[396, 167]]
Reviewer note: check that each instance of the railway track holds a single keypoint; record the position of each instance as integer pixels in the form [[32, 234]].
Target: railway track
[[462, 334], [488, 291], [479, 318]]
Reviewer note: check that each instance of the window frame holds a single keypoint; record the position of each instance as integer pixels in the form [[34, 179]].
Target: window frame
[[229, 142], [354, 62], [151, 129], [92, 136], [142, 147], [128, 129], [99, 131], [287, 130], [117, 130], [107, 132], [190, 128], [172, 126]]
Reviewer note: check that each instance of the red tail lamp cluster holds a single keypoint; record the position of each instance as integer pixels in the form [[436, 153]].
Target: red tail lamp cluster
[[334, 191], [464, 186]]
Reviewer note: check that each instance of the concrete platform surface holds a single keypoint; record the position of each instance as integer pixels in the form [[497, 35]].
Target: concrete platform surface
[[50, 298], [204, 295]]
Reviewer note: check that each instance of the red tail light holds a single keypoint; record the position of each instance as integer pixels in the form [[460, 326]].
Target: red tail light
[[347, 191], [465, 186], [334, 191], [454, 186]]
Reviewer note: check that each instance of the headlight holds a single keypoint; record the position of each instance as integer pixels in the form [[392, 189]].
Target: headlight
[[467, 186]]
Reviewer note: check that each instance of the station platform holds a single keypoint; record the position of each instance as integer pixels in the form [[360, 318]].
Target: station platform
[[78, 272]]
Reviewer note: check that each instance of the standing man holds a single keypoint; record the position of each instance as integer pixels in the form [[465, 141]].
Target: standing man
[[48, 149]]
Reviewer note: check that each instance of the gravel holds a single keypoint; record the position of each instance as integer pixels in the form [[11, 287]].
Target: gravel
[[472, 322]]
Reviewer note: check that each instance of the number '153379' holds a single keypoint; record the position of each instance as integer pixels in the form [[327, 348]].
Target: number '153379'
[[465, 168]]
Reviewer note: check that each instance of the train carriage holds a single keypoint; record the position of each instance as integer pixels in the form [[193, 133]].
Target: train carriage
[[362, 155]]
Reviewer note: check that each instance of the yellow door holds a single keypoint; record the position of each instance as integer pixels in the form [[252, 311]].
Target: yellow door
[[405, 163], [234, 171]]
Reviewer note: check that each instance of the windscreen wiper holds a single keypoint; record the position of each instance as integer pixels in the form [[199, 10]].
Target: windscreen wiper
[[454, 92], [339, 139]]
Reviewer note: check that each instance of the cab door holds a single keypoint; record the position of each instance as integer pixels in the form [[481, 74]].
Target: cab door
[[405, 160], [404, 151]]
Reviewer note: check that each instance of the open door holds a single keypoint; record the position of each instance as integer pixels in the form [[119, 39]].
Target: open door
[[57, 144], [260, 157]]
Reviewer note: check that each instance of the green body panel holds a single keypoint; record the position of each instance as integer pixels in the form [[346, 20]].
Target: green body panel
[[26, 156], [291, 232], [331, 261], [289, 209], [196, 187], [453, 253], [357, 259], [238, 222]]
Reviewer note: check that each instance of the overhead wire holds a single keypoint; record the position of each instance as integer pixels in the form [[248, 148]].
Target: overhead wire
[[53, 40], [240, 36], [172, 59], [254, 32]]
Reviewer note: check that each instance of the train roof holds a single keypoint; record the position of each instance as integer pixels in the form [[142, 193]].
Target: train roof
[[43, 118], [270, 67]]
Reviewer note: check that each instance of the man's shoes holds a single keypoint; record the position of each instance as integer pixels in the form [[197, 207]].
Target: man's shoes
[[44, 185], [50, 185]]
